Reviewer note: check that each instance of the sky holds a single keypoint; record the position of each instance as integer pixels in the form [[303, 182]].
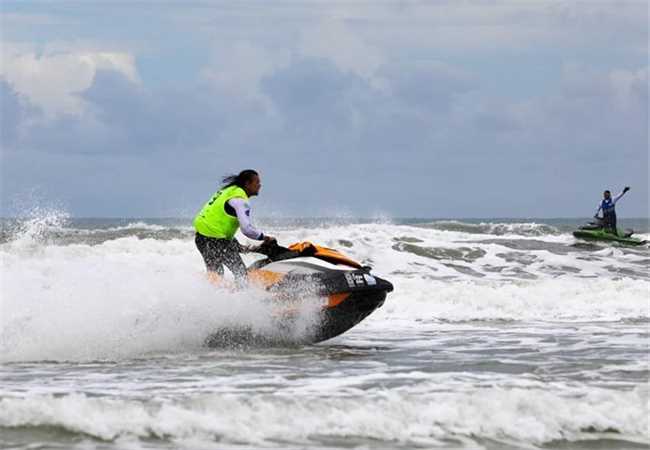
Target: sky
[[445, 109]]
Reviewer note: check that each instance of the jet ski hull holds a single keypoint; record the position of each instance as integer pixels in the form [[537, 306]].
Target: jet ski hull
[[331, 322], [605, 236], [355, 308], [313, 298]]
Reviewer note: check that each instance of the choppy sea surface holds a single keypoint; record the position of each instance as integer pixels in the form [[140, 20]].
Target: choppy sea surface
[[499, 334]]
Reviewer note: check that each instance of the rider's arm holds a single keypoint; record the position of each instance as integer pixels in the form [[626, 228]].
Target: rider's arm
[[243, 210], [618, 197], [600, 205]]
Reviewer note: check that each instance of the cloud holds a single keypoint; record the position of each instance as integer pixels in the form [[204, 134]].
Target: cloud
[[121, 117], [332, 40], [311, 90], [11, 114], [630, 89], [603, 103], [478, 27], [594, 116], [458, 104], [52, 81], [236, 70], [427, 85], [125, 118]]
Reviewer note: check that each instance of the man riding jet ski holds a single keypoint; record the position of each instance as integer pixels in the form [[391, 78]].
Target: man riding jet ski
[[219, 220], [608, 206], [346, 292], [604, 229]]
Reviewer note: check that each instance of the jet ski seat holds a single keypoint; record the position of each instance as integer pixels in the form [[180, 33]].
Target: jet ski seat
[[275, 252]]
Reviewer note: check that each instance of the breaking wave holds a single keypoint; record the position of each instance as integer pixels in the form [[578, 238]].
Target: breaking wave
[[421, 416]]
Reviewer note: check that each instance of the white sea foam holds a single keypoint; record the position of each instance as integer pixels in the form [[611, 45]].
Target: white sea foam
[[124, 297], [37, 224], [129, 296], [548, 300], [520, 416], [506, 335]]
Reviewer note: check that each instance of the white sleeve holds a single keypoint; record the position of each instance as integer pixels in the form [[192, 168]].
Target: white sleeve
[[617, 198], [243, 210], [600, 205]]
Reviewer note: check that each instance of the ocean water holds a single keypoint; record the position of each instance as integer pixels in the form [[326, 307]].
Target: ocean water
[[499, 334]]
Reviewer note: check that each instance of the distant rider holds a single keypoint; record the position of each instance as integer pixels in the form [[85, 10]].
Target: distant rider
[[608, 206], [221, 217]]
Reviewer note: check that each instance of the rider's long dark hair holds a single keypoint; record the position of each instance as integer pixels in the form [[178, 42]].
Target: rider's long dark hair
[[240, 179]]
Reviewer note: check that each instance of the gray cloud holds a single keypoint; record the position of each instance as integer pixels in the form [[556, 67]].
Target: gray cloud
[[333, 133], [428, 86], [404, 134], [12, 113], [153, 121]]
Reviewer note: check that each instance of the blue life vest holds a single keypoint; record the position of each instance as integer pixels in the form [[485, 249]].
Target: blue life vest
[[607, 205]]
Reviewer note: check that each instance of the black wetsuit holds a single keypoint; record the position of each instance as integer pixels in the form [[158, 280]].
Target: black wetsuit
[[219, 252], [609, 220], [608, 207]]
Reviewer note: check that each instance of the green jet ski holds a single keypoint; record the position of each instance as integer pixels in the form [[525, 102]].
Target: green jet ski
[[594, 231]]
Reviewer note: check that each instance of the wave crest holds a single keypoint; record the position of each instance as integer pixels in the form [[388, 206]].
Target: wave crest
[[499, 229]]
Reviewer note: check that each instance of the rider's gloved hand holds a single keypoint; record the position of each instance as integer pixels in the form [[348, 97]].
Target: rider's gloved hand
[[627, 188]]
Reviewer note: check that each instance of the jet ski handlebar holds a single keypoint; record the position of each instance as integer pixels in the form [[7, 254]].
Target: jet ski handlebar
[[270, 249], [275, 252]]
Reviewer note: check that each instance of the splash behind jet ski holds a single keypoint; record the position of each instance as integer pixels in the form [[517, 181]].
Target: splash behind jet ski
[[595, 231], [347, 293]]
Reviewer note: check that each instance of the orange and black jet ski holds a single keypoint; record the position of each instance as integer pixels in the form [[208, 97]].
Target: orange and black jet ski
[[345, 290]]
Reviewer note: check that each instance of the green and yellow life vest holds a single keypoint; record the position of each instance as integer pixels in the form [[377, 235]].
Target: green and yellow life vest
[[213, 220]]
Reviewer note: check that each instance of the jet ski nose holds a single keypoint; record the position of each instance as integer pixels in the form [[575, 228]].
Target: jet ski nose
[[387, 285], [379, 284]]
